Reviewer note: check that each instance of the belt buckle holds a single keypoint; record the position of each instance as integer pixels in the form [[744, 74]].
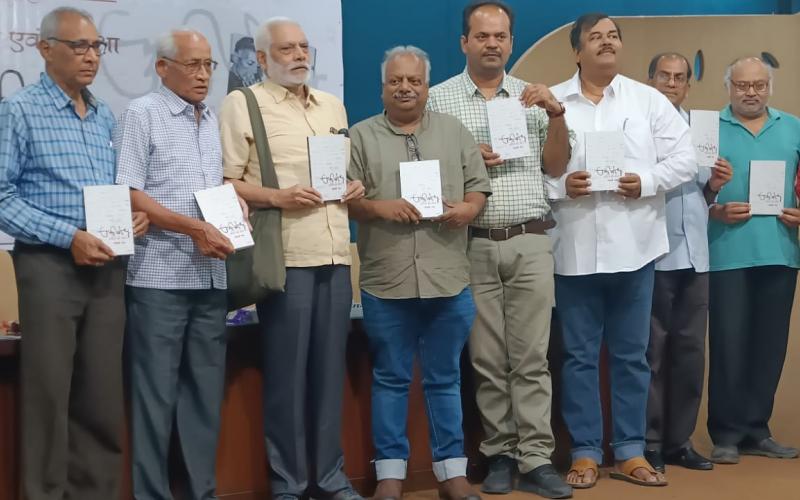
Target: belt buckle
[[503, 229]]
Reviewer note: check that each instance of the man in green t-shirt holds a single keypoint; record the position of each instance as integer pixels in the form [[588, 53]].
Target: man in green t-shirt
[[754, 260]]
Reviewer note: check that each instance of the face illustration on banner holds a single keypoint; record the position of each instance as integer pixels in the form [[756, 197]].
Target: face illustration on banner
[[244, 70], [15, 82]]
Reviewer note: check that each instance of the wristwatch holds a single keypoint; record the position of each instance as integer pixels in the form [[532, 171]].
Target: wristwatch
[[559, 113]]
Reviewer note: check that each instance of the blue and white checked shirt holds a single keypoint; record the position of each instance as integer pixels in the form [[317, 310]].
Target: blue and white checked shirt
[[163, 151], [47, 155]]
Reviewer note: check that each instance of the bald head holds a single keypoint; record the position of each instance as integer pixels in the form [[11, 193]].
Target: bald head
[[184, 64]]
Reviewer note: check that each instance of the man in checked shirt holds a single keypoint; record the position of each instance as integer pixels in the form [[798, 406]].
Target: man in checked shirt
[[55, 139], [511, 261]]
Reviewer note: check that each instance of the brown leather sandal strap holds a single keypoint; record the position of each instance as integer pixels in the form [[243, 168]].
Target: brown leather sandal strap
[[581, 465], [628, 466]]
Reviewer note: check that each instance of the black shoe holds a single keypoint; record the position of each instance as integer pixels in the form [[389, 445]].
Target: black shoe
[[689, 458], [768, 448], [545, 482], [655, 459], [725, 454], [500, 479]]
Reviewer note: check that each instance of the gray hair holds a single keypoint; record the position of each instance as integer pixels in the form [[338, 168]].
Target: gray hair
[[729, 71], [51, 20], [264, 37], [165, 44], [402, 50]]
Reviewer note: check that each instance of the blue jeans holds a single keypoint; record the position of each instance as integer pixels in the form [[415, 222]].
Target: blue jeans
[[436, 329], [614, 308]]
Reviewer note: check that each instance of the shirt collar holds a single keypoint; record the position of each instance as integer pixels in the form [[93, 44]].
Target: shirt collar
[[60, 98], [573, 87], [281, 93], [471, 89], [423, 125], [177, 105], [727, 115]]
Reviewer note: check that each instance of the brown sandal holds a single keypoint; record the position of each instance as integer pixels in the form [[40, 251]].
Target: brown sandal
[[625, 470], [580, 466]]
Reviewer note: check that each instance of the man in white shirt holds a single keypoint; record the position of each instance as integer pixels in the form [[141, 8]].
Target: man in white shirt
[[680, 297], [604, 246]]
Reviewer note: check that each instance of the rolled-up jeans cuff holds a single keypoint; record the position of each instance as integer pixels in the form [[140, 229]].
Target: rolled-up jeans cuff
[[390, 468], [450, 468]]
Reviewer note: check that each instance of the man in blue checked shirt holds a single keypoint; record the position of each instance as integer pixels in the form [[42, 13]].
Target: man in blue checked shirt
[[55, 138], [168, 148]]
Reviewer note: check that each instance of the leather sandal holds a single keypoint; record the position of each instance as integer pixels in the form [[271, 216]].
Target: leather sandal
[[624, 472], [580, 466]]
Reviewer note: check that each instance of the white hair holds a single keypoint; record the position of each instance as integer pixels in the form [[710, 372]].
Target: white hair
[[264, 36], [50, 21], [402, 50], [165, 44], [729, 71]]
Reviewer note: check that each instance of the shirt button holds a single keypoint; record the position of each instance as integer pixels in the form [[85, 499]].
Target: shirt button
[[416, 256]]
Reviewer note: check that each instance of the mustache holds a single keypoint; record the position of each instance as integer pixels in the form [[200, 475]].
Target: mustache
[[405, 93], [605, 48], [300, 66]]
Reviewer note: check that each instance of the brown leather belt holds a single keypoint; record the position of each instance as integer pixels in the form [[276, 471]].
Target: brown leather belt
[[534, 226]]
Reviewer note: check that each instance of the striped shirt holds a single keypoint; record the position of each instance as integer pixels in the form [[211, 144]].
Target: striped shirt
[[47, 155], [518, 189], [163, 151]]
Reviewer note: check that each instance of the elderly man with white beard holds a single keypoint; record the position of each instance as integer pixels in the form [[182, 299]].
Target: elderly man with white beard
[[305, 327]]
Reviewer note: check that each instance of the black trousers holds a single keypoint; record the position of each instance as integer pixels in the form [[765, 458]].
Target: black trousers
[[72, 319], [749, 312], [676, 354]]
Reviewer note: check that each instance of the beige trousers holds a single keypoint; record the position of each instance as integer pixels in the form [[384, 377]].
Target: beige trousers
[[512, 285]]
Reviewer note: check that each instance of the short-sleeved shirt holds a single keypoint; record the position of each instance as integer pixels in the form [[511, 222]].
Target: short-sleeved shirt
[[311, 236], [763, 240], [518, 188], [48, 154], [425, 260], [163, 151]]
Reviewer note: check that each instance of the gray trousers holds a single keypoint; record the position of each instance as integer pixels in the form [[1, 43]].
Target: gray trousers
[[676, 354], [72, 319], [176, 346], [304, 339]]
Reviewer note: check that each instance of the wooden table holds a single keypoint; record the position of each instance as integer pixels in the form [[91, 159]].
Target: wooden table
[[241, 457]]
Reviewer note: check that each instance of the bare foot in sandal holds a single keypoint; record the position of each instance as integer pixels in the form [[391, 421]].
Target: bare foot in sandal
[[637, 470], [588, 477], [645, 475], [583, 473]]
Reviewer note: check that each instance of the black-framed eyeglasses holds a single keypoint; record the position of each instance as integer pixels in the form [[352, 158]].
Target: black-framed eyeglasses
[[194, 65], [81, 47], [759, 86]]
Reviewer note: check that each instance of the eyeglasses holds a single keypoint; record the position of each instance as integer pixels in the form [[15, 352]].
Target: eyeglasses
[[759, 86], [81, 47], [679, 78], [194, 65]]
